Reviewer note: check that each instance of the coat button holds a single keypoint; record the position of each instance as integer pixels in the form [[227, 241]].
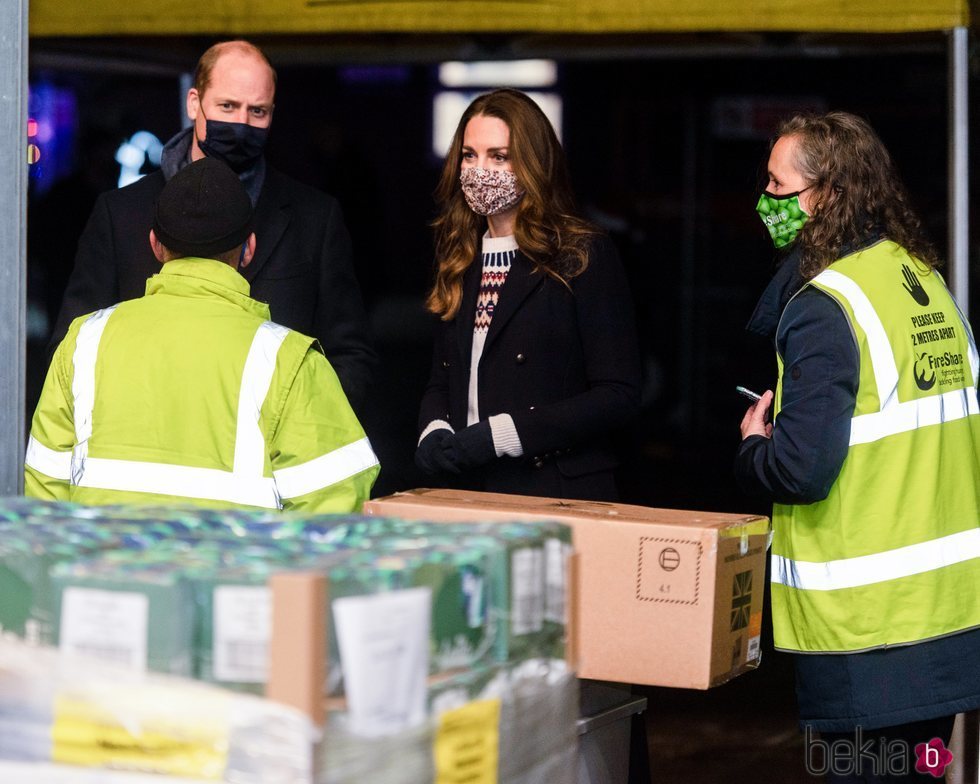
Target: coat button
[[538, 462], [445, 364], [520, 359]]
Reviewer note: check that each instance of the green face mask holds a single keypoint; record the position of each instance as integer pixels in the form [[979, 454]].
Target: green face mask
[[783, 216]]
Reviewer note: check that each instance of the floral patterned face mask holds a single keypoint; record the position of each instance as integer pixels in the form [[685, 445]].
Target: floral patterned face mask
[[489, 191]]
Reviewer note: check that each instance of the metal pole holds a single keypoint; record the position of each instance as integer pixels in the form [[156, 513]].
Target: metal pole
[[967, 736], [13, 241], [969, 726], [959, 174]]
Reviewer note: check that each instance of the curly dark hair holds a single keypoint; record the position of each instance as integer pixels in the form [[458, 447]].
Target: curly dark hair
[[548, 229], [857, 191]]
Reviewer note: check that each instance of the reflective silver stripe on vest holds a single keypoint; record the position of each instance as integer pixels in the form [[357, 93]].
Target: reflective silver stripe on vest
[[49, 462], [245, 484], [903, 417], [83, 386], [896, 417], [326, 470], [877, 567]]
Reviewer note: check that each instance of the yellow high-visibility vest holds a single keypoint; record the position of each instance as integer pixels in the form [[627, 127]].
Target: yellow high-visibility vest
[[892, 555]]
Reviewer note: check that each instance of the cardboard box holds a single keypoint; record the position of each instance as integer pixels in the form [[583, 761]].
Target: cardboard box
[[298, 648], [662, 597]]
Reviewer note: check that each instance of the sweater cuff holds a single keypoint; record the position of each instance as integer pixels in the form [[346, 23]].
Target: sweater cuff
[[435, 424], [506, 442]]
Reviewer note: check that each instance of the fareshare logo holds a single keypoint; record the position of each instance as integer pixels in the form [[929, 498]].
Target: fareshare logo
[[922, 364]]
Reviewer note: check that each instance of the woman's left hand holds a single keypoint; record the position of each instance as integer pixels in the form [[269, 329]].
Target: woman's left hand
[[471, 447], [754, 422]]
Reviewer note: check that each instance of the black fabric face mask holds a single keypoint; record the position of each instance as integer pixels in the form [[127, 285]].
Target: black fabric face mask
[[238, 144]]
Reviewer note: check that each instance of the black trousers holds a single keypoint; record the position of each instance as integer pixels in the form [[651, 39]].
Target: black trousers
[[881, 756]]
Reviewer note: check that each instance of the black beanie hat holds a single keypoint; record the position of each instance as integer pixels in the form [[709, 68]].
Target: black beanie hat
[[204, 210]]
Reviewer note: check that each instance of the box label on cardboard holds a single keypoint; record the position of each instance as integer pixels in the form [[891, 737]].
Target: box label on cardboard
[[83, 733], [741, 600], [242, 628], [755, 637], [669, 570], [110, 625], [466, 744], [384, 653], [472, 585], [527, 590], [556, 554]]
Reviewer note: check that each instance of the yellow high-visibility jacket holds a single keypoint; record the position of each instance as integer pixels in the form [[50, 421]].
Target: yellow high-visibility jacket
[[191, 394]]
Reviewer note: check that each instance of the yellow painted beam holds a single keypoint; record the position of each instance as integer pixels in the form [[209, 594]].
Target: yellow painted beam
[[255, 17]]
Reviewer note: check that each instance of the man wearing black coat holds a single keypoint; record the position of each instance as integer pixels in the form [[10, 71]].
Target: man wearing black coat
[[302, 265]]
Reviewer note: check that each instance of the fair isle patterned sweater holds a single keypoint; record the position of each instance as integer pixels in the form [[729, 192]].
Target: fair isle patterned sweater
[[498, 253]]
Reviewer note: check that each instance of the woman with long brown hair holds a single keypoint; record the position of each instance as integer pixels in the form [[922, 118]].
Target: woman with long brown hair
[[872, 460], [535, 361]]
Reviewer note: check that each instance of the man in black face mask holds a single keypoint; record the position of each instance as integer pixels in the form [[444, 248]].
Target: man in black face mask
[[302, 265]]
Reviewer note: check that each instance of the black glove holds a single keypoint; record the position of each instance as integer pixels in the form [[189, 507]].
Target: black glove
[[471, 447], [431, 456]]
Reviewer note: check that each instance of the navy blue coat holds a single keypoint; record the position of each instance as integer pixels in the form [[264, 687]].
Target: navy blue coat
[[562, 360]]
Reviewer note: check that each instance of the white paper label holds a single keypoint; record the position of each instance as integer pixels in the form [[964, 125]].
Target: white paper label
[[556, 554], [473, 591], [754, 650], [527, 590], [384, 652], [242, 629], [109, 625]]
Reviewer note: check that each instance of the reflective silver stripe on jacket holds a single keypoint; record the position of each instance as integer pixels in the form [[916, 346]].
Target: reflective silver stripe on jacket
[[326, 470], [244, 484], [49, 462], [260, 364], [211, 484], [83, 386]]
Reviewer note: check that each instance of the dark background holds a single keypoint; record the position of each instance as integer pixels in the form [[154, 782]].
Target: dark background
[[651, 160]]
